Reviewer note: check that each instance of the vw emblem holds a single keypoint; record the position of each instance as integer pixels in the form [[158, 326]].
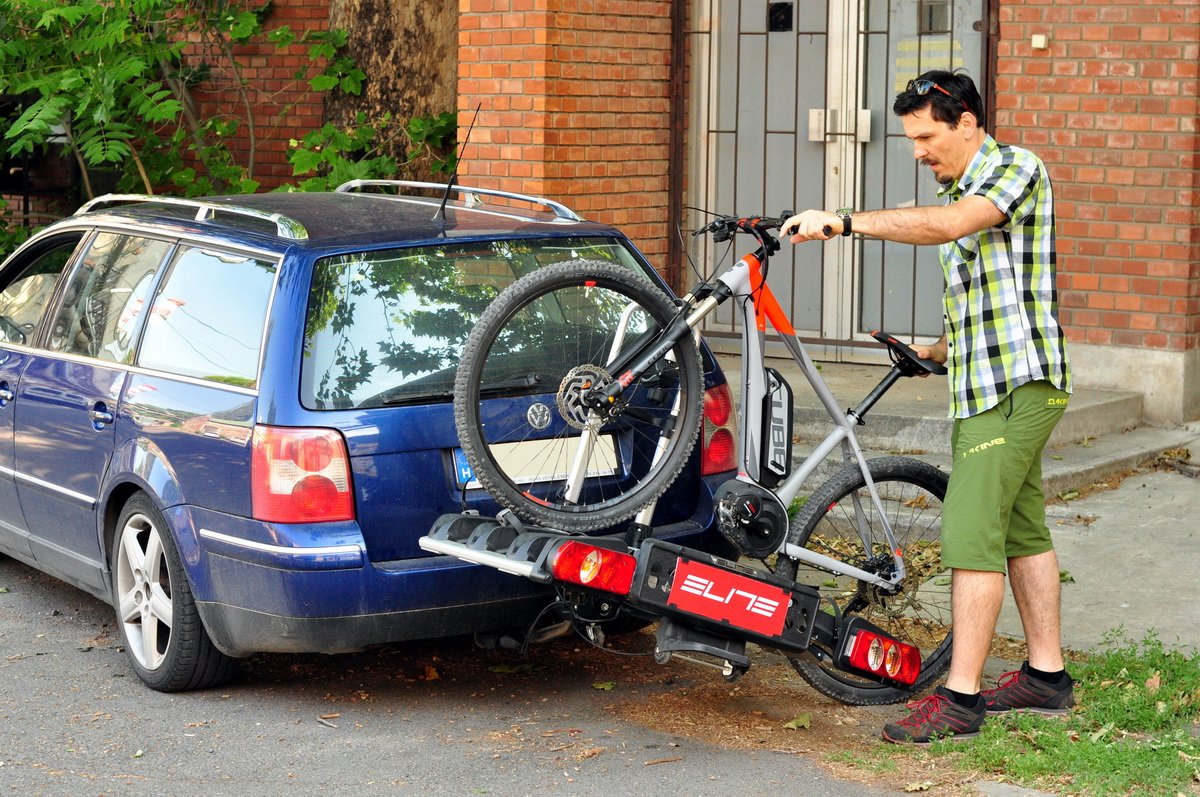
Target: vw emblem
[[538, 416]]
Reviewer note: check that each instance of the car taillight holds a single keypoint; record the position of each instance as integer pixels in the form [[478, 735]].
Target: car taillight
[[596, 568], [300, 476], [718, 446], [879, 654]]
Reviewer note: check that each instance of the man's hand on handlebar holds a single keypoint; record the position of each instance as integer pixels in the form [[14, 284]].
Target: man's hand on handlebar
[[812, 225]]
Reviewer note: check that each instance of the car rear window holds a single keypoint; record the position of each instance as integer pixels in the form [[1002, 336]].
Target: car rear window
[[386, 328]]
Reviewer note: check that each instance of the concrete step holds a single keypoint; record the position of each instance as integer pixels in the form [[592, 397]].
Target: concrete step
[[1100, 435], [890, 424], [1066, 466]]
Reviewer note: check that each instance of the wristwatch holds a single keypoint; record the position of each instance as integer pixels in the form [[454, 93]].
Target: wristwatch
[[845, 214]]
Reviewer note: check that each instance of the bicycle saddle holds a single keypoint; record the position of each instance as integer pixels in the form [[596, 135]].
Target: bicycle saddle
[[906, 359]]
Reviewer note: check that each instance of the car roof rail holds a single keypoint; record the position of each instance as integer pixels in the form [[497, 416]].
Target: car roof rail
[[285, 227], [470, 195]]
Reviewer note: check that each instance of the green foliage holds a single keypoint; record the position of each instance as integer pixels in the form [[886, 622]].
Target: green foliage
[[112, 81], [92, 71], [434, 137], [332, 155], [11, 235], [327, 157]]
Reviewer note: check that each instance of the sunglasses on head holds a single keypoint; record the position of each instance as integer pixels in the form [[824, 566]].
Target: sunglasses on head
[[923, 87]]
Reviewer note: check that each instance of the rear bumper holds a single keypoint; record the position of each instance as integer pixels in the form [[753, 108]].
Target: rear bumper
[[318, 592], [239, 631]]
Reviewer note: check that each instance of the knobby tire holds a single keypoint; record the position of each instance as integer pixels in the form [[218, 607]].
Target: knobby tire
[[531, 341], [919, 614]]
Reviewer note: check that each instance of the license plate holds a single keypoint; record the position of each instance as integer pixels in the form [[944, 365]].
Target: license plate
[[727, 597], [525, 461]]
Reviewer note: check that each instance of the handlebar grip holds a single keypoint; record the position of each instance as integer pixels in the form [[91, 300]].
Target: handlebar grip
[[827, 230]]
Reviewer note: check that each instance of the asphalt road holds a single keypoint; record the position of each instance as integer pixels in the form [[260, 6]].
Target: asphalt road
[[431, 718]]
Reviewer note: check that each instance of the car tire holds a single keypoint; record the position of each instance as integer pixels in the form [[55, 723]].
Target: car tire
[[164, 637]]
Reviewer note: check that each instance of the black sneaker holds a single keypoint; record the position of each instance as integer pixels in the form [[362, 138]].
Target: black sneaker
[[1020, 691], [935, 717]]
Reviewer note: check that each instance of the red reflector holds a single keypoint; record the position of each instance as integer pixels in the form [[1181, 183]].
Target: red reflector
[[883, 656], [593, 567], [719, 454]]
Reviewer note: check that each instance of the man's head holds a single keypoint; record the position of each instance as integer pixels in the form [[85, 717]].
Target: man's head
[[942, 115]]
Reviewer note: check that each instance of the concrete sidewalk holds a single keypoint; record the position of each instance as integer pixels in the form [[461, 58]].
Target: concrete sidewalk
[[1133, 559], [1132, 553]]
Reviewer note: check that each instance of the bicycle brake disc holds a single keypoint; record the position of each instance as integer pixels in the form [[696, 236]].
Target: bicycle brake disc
[[578, 382]]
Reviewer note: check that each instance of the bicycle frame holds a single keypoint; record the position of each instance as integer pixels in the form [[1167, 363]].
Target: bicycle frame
[[744, 281]]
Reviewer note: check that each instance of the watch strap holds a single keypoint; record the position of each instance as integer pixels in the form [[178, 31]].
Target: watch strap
[[845, 214]]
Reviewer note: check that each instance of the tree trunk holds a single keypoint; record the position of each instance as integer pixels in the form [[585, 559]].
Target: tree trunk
[[409, 51]]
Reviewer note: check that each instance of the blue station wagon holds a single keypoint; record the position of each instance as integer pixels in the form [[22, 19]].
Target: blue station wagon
[[231, 417]]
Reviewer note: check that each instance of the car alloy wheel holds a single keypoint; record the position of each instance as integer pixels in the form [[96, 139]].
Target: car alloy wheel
[[164, 636], [145, 606]]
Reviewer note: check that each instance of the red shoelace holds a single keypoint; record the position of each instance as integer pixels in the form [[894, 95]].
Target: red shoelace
[[923, 710]]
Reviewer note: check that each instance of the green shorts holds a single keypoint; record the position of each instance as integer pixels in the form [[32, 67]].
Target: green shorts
[[994, 507]]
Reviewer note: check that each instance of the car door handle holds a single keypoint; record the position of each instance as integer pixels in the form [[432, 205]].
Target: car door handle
[[6, 396], [99, 416]]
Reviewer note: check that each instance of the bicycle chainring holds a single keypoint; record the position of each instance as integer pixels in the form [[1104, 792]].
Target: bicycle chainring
[[751, 518]]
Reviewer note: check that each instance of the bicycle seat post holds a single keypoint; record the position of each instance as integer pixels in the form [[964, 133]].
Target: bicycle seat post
[[885, 384]]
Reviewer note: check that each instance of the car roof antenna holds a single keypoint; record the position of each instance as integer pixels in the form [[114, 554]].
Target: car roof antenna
[[441, 211]]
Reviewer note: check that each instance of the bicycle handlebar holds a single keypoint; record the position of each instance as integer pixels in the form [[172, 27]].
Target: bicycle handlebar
[[723, 228]]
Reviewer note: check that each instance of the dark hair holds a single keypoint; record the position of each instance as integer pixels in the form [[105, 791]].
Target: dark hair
[[960, 96]]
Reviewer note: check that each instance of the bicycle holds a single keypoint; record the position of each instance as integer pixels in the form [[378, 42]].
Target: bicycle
[[855, 590]]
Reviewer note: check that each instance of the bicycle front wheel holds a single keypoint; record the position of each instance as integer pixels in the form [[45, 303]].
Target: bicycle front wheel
[[536, 352], [834, 521]]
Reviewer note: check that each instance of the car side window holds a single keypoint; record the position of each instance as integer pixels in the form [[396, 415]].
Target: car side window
[[208, 317], [25, 298], [99, 312]]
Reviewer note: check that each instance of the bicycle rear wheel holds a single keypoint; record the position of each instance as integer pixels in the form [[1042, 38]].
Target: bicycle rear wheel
[[534, 445], [911, 493]]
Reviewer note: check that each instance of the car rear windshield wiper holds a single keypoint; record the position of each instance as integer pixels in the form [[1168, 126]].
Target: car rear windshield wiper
[[517, 385], [512, 385], [423, 397]]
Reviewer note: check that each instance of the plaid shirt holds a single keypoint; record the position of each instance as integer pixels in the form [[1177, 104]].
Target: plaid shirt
[[1001, 303]]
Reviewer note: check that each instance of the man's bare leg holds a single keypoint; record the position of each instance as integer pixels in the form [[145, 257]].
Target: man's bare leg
[[1036, 590], [975, 597]]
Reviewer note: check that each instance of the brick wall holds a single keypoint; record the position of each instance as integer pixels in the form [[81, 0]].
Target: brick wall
[[1111, 107], [283, 107], [573, 100]]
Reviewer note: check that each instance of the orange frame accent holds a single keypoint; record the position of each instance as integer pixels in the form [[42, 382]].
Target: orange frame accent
[[766, 306]]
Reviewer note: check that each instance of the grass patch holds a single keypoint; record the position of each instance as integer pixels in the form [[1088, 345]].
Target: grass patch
[[1133, 731]]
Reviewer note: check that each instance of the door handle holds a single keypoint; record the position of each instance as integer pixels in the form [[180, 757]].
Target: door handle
[[100, 417], [826, 123], [6, 396]]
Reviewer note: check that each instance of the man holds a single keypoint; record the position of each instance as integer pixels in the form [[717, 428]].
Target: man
[[1008, 379]]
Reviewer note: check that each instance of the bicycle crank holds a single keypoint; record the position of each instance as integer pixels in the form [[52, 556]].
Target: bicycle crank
[[751, 518]]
